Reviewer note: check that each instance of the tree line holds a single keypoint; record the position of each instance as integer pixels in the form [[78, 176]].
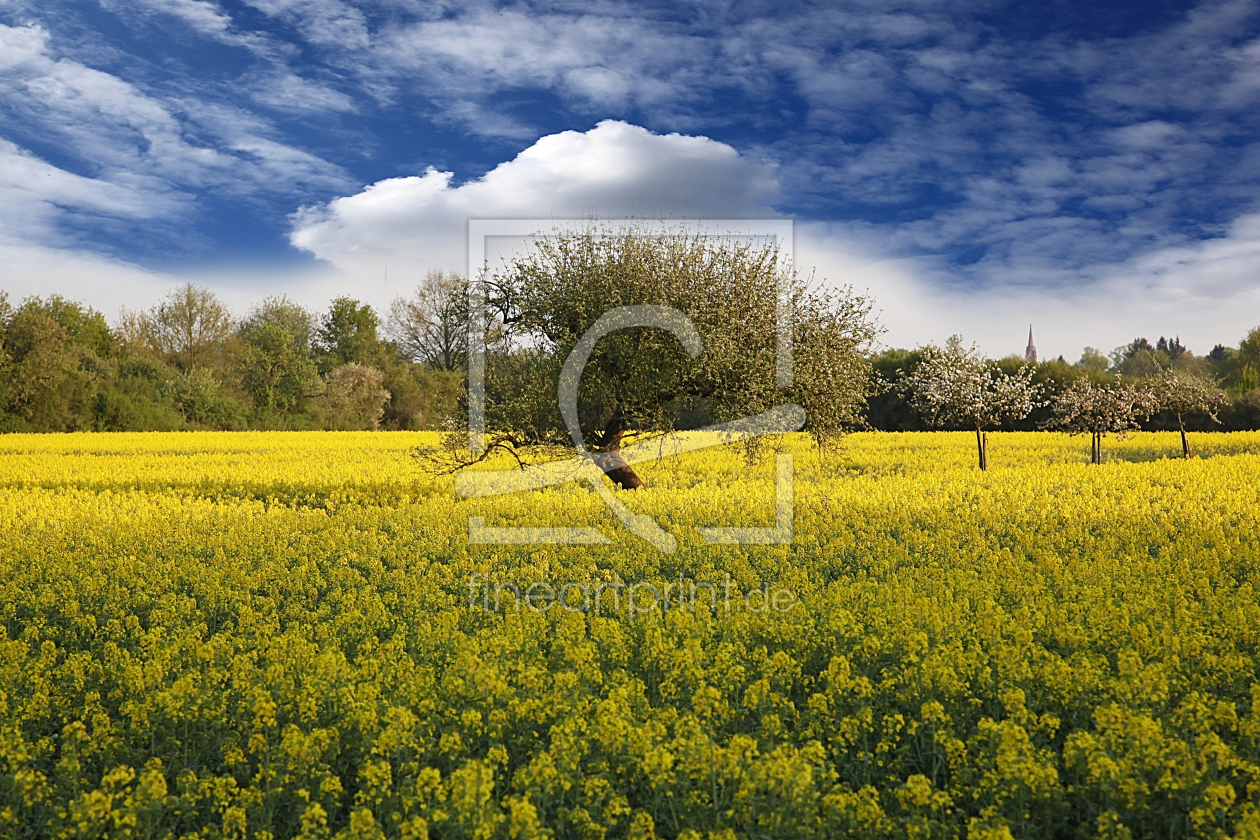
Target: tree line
[[188, 363], [1225, 383], [955, 387]]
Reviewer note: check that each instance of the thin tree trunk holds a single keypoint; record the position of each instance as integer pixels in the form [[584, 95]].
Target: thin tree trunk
[[1185, 444], [1095, 455], [982, 443], [611, 462]]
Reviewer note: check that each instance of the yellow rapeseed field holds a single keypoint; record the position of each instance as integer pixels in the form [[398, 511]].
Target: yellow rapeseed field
[[274, 635]]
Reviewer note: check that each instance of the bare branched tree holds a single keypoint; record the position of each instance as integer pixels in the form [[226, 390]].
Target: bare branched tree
[[958, 387], [431, 326]]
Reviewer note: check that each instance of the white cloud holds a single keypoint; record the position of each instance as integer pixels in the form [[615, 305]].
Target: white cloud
[[139, 164], [21, 45], [324, 22], [33, 270], [615, 169], [44, 208], [290, 92], [1205, 292], [109, 285], [32, 192], [202, 16], [994, 206]]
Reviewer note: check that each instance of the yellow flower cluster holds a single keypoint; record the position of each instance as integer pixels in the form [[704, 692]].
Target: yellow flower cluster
[[271, 635]]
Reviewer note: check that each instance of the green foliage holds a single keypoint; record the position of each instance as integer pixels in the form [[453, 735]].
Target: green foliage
[[887, 407], [354, 397], [84, 327], [189, 329], [420, 398], [174, 366], [47, 382], [348, 333], [431, 327], [1093, 361], [285, 314], [275, 370], [201, 403], [1243, 412], [1239, 371], [639, 378]]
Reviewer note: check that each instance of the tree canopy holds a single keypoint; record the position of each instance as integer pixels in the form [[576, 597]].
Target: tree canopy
[[1181, 394], [957, 387], [645, 379], [1098, 410]]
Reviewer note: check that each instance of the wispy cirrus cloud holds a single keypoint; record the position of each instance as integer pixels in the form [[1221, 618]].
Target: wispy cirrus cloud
[[108, 132], [202, 17]]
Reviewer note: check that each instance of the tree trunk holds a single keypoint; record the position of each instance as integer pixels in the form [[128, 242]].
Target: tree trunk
[[611, 462], [1185, 444], [982, 443], [1095, 455]]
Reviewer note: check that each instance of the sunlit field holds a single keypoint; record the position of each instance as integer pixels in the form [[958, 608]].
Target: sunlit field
[[272, 635]]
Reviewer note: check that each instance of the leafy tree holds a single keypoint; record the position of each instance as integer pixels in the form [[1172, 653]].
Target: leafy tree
[[957, 387], [1092, 361], [1243, 412], [284, 313], [348, 333], [198, 397], [1239, 370], [642, 378], [1049, 377], [1084, 407], [1182, 394], [1219, 353], [1140, 359], [1143, 365], [1200, 366], [354, 396], [431, 327], [137, 398], [189, 328], [1137, 345], [420, 397], [44, 381], [275, 373], [887, 408], [1171, 347], [275, 365], [84, 326]]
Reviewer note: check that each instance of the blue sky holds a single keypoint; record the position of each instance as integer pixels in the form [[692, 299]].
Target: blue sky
[[1092, 168]]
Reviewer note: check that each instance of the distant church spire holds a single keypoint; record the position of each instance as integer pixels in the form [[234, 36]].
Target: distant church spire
[[1031, 352]]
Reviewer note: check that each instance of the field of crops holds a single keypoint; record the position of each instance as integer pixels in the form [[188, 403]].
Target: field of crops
[[273, 635]]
